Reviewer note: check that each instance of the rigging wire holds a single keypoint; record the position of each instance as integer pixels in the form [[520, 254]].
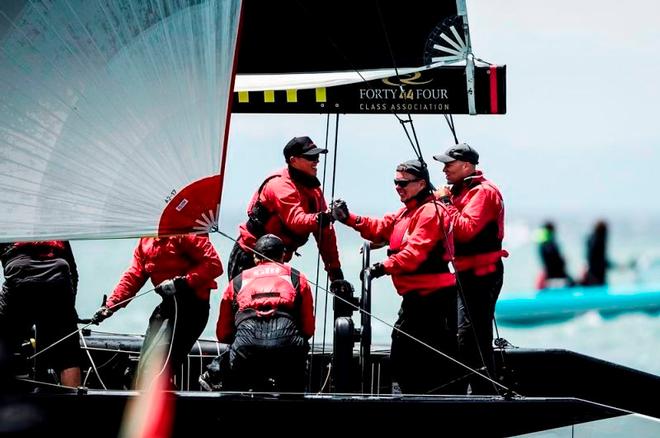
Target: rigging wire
[[328, 292], [459, 288], [154, 343], [332, 198], [450, 122], [91, 361], [414, 141], [318, 255], [48, 347], [320, 231], [393, 327]]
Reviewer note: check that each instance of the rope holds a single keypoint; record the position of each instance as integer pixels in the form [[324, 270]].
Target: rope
[[169, 352], [450, 122], [414, 141], [86, 325], [91, 361], [332, 197], [358, 309], [318, 256]]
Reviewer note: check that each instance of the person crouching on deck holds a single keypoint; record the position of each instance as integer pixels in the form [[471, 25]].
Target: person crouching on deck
[[267, 315], [420, 247]]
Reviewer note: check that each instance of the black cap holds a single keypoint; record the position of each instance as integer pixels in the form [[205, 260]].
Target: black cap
[[271, 246], [416, 168], [299, 146], [461, 152]]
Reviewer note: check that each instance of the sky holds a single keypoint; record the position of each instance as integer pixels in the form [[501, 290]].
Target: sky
[[579, 137]]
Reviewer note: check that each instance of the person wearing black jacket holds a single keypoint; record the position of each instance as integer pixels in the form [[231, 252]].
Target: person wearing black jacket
[[554, 266], [597, 262], [41, 281]]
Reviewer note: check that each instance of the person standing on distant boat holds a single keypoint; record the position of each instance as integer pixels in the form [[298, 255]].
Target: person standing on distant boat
[[477, 209], [420, 247], [554, 266], [597, 262], [41, 282], [290, 204], [184, 269], [267, 315]]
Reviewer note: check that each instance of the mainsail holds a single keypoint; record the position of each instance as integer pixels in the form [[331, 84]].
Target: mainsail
[[111, 111]]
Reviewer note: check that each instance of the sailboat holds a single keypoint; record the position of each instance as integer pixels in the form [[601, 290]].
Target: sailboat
[[114, 123]]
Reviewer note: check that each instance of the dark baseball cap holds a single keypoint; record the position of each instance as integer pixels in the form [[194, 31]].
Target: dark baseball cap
[[461, 152], [299, 146], [416, 168]]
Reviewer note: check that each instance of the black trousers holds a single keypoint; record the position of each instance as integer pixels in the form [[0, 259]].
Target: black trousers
[[432, 320], [476, 310], [268, 355], [239, 260], [175, 325]]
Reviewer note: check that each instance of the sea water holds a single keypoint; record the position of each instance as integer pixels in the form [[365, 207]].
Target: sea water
[[631, 339]]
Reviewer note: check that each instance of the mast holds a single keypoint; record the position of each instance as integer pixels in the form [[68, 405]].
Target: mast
[[469, 57]]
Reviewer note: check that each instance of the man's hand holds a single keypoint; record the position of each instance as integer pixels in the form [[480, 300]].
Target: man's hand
[[443, 194], [102, 314], [324, 218], [169, 287], [335, 274], [339, 210], [342, 288], [377, 270]]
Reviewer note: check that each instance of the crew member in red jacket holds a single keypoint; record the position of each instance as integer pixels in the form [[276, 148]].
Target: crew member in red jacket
[[184, 269], [477, 210], [290, 204], [420, 247], [267, 315], [41, 281]]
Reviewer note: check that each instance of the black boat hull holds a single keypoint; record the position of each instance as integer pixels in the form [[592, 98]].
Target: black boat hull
[[552, 388]]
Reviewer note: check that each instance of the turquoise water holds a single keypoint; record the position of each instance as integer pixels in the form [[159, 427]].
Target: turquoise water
[[631, 339]]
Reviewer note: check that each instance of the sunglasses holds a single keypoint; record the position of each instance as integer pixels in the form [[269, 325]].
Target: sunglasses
[[403, 183], [310, 157]]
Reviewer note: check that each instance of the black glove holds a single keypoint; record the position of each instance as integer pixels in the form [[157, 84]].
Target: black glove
[[339, 210], [377, 270], [342, 288], [324, 218], [102, 314], [169, 287], [335, 274]]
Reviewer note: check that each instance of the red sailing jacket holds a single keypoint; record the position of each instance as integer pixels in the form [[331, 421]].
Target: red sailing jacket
[[163, 258], [266, 288], [293, 207], [477, 210], [420, 247]]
